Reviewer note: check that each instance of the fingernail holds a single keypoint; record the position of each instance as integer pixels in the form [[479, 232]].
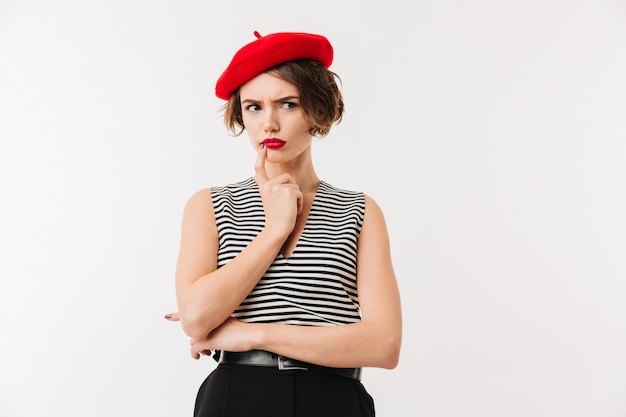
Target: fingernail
[[262, 145], [168, 316]]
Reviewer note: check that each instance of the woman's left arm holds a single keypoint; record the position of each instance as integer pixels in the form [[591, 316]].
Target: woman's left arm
[[373, 342]]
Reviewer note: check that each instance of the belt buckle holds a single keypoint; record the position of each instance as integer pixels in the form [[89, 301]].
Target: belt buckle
[[283, 367]]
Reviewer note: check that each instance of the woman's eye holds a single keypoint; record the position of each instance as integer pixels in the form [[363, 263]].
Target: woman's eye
[[252, 107], [289, 105]]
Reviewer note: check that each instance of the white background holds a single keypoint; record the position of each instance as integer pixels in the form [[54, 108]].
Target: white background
[[492, 133]]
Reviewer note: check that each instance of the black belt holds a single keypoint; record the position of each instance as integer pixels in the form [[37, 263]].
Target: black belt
[[269, 359]]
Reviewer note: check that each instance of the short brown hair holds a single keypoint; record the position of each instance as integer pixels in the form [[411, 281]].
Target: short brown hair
[[320, 96]]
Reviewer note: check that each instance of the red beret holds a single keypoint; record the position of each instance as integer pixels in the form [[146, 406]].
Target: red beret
[[268, 51]]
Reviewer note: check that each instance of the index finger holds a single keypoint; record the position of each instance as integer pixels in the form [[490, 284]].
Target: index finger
[[172, 317], [259, 166]]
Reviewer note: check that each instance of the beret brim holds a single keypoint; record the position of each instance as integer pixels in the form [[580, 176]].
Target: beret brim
[[268, 51]]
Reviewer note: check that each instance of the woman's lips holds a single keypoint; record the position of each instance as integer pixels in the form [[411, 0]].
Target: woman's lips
[[274, 143]]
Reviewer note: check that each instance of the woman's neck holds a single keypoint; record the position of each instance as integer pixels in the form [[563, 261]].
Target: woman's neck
[[303, 173]]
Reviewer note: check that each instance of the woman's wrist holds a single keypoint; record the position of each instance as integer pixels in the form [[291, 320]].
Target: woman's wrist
[[258, 335], [274, 236]]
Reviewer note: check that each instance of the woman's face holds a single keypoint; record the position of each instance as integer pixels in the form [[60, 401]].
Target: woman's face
[[272, 115]]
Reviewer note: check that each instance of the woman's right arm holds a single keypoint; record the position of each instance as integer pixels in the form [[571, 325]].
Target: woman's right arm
[[206, 295]]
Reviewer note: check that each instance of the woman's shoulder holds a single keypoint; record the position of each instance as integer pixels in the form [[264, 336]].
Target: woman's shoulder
[[369, 203], [204, 193], [327, 188], [235, 193], [245, 184], [207, 193], [199, 200], [205, 198], [333, 192]]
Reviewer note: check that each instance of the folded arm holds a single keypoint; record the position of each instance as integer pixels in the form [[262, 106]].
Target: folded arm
[[206, 295], [374, 342]]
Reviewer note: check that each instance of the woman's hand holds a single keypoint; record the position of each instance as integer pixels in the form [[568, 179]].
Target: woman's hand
[[282, 198], [233, 335], [172, 317]]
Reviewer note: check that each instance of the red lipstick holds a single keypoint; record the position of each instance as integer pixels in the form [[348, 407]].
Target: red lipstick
[[274, 143]]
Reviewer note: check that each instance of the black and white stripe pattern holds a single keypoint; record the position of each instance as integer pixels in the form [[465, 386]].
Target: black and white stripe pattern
[[316, 285]]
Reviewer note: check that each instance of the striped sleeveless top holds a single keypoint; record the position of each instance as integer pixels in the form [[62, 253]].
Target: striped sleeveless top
[[316, 285]]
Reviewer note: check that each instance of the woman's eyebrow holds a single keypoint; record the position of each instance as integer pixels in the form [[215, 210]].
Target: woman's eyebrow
[[249, 100], [287, 98], [278, 100]]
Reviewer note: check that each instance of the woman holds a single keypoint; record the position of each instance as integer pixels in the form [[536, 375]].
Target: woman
[[288, 279]]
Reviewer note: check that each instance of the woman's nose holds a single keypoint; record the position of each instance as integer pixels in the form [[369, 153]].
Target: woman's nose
[[270, 124]]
